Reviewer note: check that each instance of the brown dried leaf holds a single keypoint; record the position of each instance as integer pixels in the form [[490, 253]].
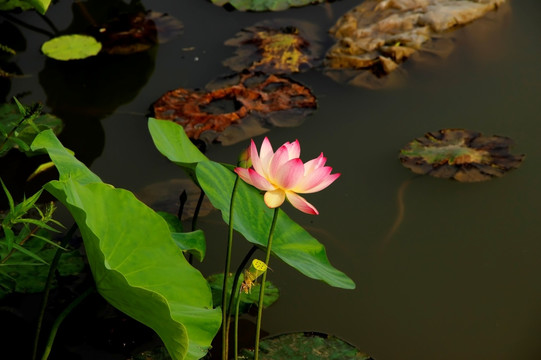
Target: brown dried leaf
[[133, 33], [378, 35], [250, 102], [275, 47]]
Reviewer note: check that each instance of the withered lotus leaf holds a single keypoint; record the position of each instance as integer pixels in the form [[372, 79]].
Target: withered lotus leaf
[[133, 33], [264, 5], [378, 35], [463, 155], [239, 108], [277, 47]]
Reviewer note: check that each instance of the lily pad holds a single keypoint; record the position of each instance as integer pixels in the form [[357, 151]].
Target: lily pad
[[71, 47], [265, 5], [130, 33], [463, 155], [375, 37], [237, 107], [307, 346], [275, 47]]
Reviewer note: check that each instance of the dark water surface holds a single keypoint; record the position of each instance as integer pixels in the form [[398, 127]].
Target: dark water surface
[[458, 279]]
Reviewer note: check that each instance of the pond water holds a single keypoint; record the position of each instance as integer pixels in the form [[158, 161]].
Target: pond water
[[459, 276]]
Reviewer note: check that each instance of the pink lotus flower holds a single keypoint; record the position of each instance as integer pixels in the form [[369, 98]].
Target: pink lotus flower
[[282, 174]]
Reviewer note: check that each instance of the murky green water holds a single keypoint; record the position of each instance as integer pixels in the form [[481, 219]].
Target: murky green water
[[459, 278]]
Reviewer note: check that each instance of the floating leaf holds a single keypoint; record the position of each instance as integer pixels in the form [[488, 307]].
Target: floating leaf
[[265, 5], [239, 107], [376, 36], [130, 33], [463, 155], [252, 218], [71, 47], [275, 47], [308, 346], [136, 265], [247, 300]]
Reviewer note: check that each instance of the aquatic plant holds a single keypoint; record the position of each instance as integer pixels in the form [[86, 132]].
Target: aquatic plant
[[460, 154], [283, 175], [137, 255]]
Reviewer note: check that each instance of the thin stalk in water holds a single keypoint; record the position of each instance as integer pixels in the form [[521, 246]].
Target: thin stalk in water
[[48, 284], [237, 306], [225, 329], [61, 318], [262, 289], [234, 287]]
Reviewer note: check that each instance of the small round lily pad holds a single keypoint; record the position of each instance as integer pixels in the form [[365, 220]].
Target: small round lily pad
[[463, 155], [308, 346], [71, 47]]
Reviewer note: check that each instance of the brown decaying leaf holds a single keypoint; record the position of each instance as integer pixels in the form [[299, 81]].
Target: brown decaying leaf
[[276, 47], [471, 156], [133, 33], [378, 35], [254, 94]]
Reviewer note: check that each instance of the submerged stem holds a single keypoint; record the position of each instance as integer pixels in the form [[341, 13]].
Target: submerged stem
[[262, 289], [61, 318]]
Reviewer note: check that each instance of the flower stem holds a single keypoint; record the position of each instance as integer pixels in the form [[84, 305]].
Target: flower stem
[[237, 325], [225, 327], [242, 265], [262, 289]]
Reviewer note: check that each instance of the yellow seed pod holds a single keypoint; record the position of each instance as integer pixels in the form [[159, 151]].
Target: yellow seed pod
[[258, 267]]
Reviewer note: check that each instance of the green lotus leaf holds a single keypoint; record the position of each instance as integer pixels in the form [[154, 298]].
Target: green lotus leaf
[[265, 5], [191, 242], [40, 5], [136, 265], [463, 155], [309, 346], [174, 144], [71, 47], [252, 218]]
